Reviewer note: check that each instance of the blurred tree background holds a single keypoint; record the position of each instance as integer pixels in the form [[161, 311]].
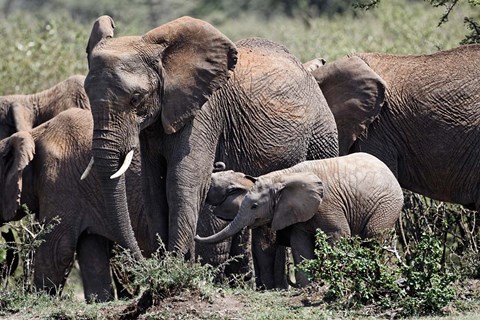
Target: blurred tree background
[[44, 40]]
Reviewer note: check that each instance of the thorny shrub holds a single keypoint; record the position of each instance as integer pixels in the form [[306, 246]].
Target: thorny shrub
[[413, 271], [164, 274], [29, 235]]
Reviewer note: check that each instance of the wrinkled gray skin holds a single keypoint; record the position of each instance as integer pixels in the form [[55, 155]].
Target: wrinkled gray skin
[[350, 195], [188, 96], [418, 114], [225, 196], [24, 112], [217, 254], [41, 168]]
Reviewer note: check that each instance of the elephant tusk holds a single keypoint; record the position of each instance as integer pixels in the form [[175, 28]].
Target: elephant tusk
[[125, 165], [199, 238], [87, 170]]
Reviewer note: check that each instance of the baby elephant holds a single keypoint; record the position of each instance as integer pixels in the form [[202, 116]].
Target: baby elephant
[[355, 194]]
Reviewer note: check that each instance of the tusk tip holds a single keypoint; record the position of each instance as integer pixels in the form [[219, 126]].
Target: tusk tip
[[87, 170], [115, 176], [126, 163]]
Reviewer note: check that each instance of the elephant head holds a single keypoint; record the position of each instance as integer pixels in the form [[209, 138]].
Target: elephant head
[[163, 78], [282, 201], [226, 193], [16, 152], [354, 92], [24, 112]]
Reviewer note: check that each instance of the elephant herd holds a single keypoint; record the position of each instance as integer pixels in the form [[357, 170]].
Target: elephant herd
[[305, 146]]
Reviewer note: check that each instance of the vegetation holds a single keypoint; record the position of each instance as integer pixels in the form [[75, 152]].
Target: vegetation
[[432, 265], [418, 270], [360, 273]]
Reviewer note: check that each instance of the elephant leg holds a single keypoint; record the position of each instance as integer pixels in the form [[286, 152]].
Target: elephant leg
[[213, 254], [280, 268], [303, 245], [53, 261], [94, 259], [266, 259]]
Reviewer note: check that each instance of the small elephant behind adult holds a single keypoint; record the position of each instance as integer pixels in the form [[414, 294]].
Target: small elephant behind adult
[[41, 168], [350, 195], [226, 193], [22, 112]]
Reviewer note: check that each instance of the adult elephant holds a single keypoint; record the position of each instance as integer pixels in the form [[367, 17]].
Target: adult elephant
[[419, 114], [173, 92], [23, 112], [26, 111], [41, 169]]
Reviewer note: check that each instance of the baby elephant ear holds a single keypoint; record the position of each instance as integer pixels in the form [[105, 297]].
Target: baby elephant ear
[[298, 199], [16, 152], [102, 29]]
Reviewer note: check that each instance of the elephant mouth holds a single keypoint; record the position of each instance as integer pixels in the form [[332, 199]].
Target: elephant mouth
[[261, 222]]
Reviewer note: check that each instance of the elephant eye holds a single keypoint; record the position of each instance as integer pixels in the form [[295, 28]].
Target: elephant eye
[[136, 99], [254, 206], [232, 191]]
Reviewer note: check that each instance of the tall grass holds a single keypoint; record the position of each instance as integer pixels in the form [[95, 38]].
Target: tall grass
[[394, 27], [38, 52]]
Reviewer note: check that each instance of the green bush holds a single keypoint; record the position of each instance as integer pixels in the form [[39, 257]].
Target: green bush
[[366, 272], [30, 235], [164, 274], [38, 53]]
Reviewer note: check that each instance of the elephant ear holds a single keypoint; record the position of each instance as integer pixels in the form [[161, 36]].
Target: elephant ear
[[21, 117], [355, 94], [298, 198], [102, 29], [196, 60], [16, 152]]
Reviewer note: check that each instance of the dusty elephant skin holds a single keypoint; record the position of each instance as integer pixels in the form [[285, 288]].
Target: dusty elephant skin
[[42, 168], [351, 195], [418, 114], [189, 96], [24, 112]]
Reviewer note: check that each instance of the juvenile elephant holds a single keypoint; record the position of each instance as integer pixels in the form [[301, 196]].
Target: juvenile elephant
[[23, 112], [189, 96], [41, 168], [350, 195], [420, 114]]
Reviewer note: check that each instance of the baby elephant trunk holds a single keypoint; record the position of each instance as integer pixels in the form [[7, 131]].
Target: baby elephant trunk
[[231, 229]]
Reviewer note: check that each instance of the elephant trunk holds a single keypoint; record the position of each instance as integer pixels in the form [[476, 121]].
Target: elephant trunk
[[231, 229], [107, 162]]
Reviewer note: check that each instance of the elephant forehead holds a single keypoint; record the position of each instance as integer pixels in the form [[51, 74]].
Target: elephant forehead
[[261, 187], [125, 51]]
